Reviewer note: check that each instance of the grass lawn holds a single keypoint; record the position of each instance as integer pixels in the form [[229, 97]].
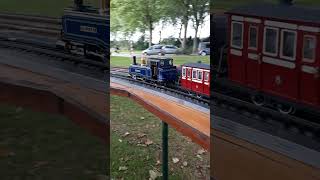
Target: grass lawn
[[136, 145], [177, 60], [40, 7], [41, 146]]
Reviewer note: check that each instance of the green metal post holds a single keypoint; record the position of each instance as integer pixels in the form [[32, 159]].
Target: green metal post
[[164, 151]]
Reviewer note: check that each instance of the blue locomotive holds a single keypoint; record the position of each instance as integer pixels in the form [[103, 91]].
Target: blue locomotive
[[85, 30], [156, 69]]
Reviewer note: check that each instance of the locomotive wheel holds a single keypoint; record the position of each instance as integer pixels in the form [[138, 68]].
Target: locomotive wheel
[[134, 76], [258, 100], [285, 109]]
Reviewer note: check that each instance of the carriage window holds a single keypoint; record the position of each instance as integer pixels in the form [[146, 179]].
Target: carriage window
[[189, 71], [162, 63], [183, 72], [309, 48], [194, 74], [253, 37], [271, 41], [288, 44], [206, 76], [200, 75], [237, 33]]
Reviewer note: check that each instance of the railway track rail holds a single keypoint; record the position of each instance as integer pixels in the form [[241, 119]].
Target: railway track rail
[[121, 73], [306, 129], [30, 23], [52, 52]]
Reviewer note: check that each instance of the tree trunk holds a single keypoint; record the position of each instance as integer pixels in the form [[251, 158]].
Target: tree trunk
[[150, 33], [184, 41], [195, 40]]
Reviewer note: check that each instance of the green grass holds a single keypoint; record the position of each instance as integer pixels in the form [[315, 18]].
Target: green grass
[[223, 4], [131, 152], [52, 8], [41, 146], [177, 60]]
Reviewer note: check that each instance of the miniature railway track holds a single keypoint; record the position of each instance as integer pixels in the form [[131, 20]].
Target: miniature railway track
[[52, 52], [122, 73], [30, 23], [296, 125]]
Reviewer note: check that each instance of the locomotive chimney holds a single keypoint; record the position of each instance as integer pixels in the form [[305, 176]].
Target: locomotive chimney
[[78, 4], [134, 60], [286, 2]]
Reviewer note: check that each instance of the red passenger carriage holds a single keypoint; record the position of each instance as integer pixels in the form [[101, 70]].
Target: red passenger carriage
[[275, 50], [195, 77]]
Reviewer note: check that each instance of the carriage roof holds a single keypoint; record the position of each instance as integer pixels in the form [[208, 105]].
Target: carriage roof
[[278, 11], [197, 65]]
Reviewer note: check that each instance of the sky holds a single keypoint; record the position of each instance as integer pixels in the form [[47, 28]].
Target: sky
[[170, 30]]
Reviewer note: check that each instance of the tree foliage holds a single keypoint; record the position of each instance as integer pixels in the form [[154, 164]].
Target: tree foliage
[[136, 15], [130, 16]]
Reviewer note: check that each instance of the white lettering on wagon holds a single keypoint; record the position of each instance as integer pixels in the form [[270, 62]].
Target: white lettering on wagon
[[88, 29]]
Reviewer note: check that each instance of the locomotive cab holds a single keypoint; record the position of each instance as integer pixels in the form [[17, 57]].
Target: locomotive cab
[[154, 69]]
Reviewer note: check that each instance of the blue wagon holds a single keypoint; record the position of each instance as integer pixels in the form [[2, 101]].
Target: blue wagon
[[159, 70]]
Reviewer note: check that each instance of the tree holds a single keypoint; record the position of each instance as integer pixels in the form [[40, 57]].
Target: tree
[[138, 15], [199, 10], [179, 11]]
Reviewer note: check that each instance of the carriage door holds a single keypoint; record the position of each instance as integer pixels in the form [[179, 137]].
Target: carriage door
[[252, 51], [189, 78], [236, 62], [206, 82], [309, 87]]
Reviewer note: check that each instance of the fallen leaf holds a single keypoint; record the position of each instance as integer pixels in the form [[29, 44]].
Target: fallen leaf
[[148, 142], [120, 140], [185, 163], [143, 145], [126, 159], [142, 118], [201, 151], [175, 160], [140, 135], [198, 156], [126, 134], [153, 174], [158, 163], [123, 168]]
